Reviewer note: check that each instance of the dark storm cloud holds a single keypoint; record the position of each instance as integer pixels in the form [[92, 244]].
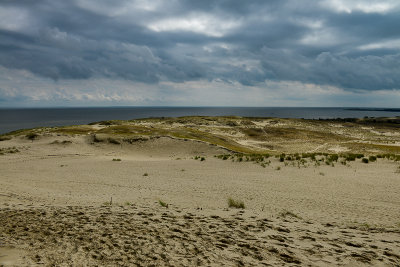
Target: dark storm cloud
[[234, 41]]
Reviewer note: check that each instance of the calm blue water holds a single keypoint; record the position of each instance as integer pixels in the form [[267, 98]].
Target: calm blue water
[[14, 119]]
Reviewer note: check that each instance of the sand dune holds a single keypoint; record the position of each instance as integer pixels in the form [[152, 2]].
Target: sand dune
[[69, 201]]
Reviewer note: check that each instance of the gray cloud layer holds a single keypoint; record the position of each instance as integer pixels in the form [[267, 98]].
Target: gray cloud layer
[[350, 46]]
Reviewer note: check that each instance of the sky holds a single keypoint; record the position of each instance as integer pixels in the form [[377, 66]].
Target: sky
[[316, 53]]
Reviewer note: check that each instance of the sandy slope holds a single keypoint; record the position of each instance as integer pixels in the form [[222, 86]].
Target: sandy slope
[[55, 207]]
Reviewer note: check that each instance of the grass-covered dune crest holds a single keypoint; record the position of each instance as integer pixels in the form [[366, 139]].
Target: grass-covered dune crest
[[243, 134]]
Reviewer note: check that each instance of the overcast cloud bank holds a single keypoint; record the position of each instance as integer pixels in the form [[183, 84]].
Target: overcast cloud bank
[[246, 53]]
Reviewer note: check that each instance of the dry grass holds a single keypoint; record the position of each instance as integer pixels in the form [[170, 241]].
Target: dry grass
[[397, 170], [9, 150], [286, 213]]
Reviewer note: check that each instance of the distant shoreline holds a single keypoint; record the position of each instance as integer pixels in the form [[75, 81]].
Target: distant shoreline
[[12, 119], [375, 109]]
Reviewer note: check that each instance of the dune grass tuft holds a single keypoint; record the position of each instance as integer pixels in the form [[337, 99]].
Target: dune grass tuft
[[232, 203], [286, 213], [162, 203], [397, 170]]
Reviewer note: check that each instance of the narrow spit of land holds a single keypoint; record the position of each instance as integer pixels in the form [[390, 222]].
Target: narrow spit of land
[[202, 191]]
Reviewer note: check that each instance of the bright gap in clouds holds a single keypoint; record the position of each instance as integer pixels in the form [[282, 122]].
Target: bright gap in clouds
[[390, 44], [370, 6], [197, 23]]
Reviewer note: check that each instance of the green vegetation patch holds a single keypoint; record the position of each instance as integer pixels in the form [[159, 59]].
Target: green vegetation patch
[[83, 129], [129, 130], [107, 123], [194, 134], [362, 147]]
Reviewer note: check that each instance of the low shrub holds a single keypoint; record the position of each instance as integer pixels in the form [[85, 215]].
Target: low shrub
[[32, 136], [114, 141], [95, 139], [5, 138], [333, 157], [349, 157], [309, 155]]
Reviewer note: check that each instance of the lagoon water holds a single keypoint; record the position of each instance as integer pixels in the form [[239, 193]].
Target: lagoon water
[[20, 118]]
